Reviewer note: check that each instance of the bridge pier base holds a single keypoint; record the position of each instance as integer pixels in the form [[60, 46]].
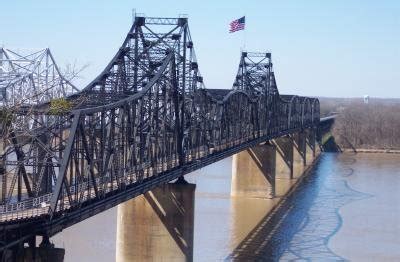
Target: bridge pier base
[[157, 226], [253, 172]]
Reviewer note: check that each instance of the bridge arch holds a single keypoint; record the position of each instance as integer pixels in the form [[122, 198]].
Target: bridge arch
[[306, 111], [295, 112], [315, 111]]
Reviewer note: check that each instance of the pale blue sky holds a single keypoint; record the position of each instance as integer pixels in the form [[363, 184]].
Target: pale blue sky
[[321, 48]]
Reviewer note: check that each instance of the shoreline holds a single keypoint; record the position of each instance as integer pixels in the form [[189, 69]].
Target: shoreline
[[366, 150]]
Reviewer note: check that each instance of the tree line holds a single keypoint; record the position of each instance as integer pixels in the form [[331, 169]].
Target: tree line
[[375, 125]]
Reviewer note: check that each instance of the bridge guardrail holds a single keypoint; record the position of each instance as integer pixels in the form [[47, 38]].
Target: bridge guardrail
[[27, 208]]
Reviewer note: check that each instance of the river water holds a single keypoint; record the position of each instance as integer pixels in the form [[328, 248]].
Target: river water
[[347, 208]]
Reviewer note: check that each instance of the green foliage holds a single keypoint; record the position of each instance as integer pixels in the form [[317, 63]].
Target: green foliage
[[6, 117], [59, 106]]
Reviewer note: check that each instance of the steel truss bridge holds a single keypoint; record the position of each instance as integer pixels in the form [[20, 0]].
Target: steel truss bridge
[[147, 119]]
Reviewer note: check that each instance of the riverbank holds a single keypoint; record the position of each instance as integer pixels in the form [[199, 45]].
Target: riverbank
[[330, 144], [367, 150]]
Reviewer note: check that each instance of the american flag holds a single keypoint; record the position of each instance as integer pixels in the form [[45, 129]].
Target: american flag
[[237, 25]]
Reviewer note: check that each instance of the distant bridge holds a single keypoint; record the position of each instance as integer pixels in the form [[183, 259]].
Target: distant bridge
[[147, 119]]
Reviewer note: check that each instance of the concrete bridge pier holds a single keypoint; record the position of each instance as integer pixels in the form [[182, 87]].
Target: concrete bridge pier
[[157, 226], [318, 146], [284, 157], [299, 153], [310, 145], [253, 172]]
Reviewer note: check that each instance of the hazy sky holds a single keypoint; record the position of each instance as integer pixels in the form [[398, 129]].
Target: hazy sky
[[320, 48]]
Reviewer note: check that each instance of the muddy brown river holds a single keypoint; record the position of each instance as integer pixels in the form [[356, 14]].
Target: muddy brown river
[[346, 209]]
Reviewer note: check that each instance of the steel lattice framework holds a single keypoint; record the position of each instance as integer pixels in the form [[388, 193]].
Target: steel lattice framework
[[255, 74], [30, 77], [145, 120]]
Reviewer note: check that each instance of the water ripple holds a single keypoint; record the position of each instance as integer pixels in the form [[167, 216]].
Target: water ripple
[[301, 227]]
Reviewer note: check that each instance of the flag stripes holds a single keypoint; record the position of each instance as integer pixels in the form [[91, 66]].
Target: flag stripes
[[237, 25]]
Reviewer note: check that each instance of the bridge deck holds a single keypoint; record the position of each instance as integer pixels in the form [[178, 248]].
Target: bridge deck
[[39, 206]]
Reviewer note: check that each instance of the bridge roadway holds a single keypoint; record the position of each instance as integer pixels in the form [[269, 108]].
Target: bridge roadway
[[146, 120]]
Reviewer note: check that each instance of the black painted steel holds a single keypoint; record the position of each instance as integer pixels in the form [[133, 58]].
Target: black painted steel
[[145, 120]]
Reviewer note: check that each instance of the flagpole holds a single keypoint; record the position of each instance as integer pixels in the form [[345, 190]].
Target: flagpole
[[239, 25], [244, 35], [133, 15], [244, 39]]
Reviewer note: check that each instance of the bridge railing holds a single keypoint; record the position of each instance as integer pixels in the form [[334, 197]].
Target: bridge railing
[[28, 208]]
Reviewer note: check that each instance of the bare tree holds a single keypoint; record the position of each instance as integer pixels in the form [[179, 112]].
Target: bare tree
[[72, 71], [374, 126]]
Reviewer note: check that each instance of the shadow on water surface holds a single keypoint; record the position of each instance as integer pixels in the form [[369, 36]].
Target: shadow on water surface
[[300, 227], [331, 146]]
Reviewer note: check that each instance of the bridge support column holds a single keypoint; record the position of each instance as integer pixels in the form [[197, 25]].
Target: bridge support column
[[310, 145], [284, 157], [157, 226], [253, 172], [299, 153], [317, 148]]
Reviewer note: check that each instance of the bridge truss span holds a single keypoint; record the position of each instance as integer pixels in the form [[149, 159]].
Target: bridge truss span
[[145, 120], [30, 77]]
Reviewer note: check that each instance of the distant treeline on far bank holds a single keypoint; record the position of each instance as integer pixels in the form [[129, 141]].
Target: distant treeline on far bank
[[360, 125]]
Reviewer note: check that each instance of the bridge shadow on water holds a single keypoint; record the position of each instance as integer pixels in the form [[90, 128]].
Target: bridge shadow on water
[[300, 227]]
